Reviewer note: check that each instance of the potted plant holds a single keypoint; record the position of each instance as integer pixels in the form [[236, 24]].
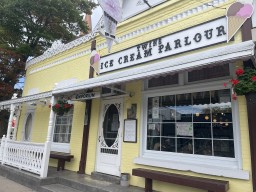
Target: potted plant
[[245, 83], [61, 107]]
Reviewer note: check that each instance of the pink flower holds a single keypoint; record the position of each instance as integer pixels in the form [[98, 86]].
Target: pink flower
[[239, 72], [254, 78], [225, 84]]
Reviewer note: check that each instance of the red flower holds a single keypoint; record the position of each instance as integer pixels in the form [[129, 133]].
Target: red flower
[[57, 106], [66, 106], [225, 84], [234, 81], [254, 78], [239, 72]]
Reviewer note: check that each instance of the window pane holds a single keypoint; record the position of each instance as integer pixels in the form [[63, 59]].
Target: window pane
[[163, 80], [203, 146], [208, 73], [167, 108], [202, 130], [223, 148], [62, 129], [201, 107], [168, 129], [184, 145], [168, 144], [153, 109], [154, 129], [184, 108], [153, 143], [222, 130]]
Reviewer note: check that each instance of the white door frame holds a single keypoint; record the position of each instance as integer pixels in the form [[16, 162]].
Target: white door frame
[[104, 102]]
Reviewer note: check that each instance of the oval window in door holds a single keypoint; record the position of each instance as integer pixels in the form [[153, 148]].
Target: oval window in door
[[111, 125], [28, 127]]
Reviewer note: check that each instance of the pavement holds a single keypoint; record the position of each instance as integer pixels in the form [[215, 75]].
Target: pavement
[[7, 185]]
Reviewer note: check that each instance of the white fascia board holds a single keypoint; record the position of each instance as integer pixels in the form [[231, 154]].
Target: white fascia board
[[219, 55], [26, 98]]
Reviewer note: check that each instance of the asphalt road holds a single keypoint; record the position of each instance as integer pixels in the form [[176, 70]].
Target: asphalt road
[[7, 185]]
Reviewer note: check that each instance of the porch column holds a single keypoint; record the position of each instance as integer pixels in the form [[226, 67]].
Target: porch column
[[16, 124], [47, 148], [12, 110]]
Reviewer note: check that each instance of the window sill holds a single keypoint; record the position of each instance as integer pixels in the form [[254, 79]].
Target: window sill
[[203, 169], [60, 147]]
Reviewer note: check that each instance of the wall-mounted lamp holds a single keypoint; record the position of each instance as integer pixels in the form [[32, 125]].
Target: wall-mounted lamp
[[33, 103]]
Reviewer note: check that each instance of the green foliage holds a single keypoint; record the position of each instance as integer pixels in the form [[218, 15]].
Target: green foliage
[[11, 69], [30, 27], [246, 81]]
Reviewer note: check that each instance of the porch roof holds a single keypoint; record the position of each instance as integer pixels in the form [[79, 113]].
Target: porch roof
[[26, 98], [242, 51]]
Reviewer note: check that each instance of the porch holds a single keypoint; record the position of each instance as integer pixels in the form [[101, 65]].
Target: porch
[[60, 181]]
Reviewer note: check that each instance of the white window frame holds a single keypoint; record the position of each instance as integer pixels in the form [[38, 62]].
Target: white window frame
[[212, 165], [61, 147], [30, 110]]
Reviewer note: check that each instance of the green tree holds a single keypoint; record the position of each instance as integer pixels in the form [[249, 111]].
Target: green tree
[[30, 27]]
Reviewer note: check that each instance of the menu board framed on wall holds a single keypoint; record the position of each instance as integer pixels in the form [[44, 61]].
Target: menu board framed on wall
[[130, 130]]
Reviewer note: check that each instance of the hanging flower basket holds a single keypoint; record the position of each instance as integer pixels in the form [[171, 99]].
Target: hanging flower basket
[[61, 107], [245, 82]]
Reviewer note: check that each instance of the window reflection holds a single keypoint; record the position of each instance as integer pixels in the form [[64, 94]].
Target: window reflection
[[193, 123]]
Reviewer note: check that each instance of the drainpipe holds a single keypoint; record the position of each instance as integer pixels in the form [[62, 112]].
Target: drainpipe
[[88, 108]]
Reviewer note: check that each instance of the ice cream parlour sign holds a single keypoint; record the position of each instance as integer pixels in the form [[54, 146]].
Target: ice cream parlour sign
[[207, 34]]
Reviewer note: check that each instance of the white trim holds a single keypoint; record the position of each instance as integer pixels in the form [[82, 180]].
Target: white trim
[[132, 34], [215, 56], [60, 147], [211, 165], [30, 111], [99, 165], [217, 171], [26, 98]]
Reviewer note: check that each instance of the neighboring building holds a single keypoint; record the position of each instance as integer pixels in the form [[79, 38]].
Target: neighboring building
[[167, 72]]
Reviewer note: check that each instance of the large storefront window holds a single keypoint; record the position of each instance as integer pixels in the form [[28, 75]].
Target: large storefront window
[[197, 123], [62, 130]]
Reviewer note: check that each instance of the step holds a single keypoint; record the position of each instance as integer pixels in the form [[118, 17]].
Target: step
[[105, 177], [88, 184], [84, 184], [57, 188]]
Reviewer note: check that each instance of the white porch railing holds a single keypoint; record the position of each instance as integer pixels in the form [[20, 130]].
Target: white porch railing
[[23, 155]]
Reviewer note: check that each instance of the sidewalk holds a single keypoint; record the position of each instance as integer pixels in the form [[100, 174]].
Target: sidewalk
[[7, 185]]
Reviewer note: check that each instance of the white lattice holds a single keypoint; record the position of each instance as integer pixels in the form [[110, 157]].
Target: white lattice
[[23, 155]]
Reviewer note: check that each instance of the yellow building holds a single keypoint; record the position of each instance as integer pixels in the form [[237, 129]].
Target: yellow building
[[158, 102]]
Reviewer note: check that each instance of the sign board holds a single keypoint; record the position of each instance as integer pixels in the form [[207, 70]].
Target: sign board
[[130, 130], [184, 129], [203, 35], [85, 96]]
